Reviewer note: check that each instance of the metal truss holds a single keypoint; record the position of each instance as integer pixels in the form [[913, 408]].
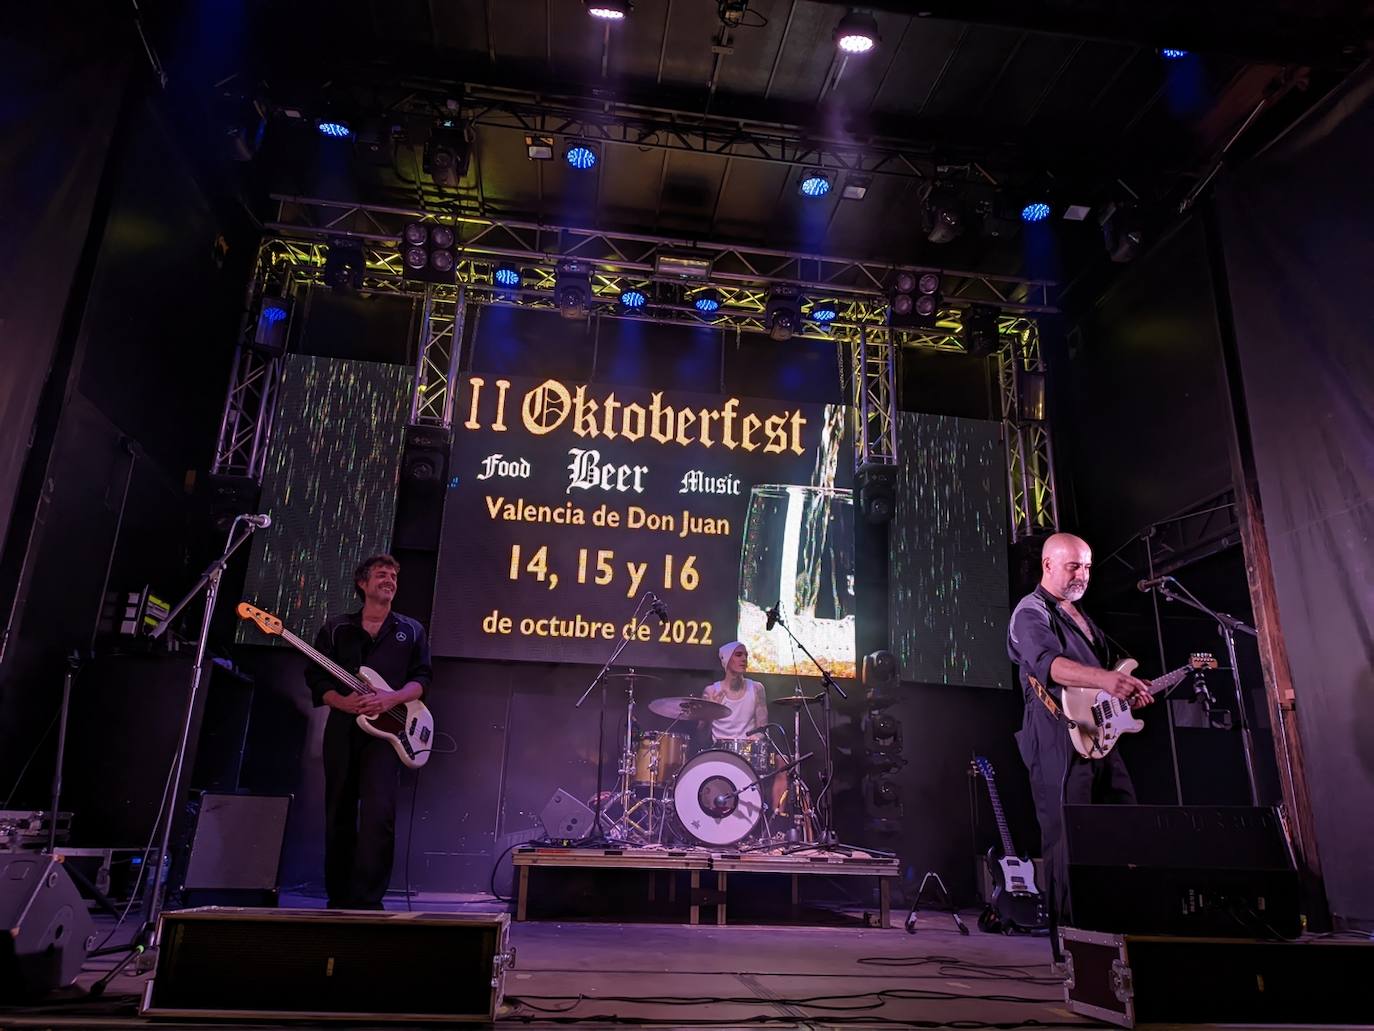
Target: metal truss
[[634, 254], [436, 368], [1030, 451], [251, 403], [873, 386]]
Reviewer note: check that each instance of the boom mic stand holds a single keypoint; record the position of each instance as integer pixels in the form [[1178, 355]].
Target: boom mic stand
[[826, 839], [598, 837], [171, 803], [1227, 626]]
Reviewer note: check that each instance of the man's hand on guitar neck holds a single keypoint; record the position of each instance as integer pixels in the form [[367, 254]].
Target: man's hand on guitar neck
[[1123, 685], [1069, 673]]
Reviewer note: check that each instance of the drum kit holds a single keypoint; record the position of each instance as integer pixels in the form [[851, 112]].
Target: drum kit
[[720, 796]]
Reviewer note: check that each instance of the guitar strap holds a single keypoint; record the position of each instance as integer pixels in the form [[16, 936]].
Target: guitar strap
[[1050, 703]]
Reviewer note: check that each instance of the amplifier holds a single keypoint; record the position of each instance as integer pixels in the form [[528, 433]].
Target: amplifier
[[1130, 979], [1213, 871], [313, 964]]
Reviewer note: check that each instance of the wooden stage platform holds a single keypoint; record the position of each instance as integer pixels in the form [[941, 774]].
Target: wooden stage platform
[[664, 883]]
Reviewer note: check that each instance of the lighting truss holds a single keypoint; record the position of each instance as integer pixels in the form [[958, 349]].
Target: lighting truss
[[873, 389], [542, 245], [1030, 451], [436, 368]]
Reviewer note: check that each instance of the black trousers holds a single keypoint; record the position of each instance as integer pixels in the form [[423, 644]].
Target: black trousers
[[360, 783], [1059, 775]]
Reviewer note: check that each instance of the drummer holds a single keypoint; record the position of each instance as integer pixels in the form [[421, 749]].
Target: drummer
[[748, 705]]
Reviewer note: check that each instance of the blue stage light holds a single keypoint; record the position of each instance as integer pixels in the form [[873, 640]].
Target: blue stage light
[[824, 311], [633, 299], [335, 130], [707, 302], [1173, 55], [580, 157], [272, 313], [506, 274], [1035, 211], [814, 183]]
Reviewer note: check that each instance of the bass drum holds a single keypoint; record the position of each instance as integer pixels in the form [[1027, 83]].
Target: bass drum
[[705, 814]]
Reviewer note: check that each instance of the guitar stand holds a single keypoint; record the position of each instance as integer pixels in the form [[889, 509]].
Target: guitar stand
[[943, 895]]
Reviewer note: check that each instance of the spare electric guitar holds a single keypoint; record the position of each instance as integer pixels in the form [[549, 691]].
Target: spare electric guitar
[[1098, 719], [409, 727], [1015, 900]]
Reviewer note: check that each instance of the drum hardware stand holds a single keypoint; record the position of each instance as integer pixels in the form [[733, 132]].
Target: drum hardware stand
[[943, 895], [599, 838]]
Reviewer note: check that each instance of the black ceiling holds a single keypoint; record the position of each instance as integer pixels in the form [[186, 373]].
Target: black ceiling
[[998, 99]]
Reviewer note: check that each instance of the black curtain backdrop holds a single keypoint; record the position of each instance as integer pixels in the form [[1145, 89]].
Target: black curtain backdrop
[[1297, 226]]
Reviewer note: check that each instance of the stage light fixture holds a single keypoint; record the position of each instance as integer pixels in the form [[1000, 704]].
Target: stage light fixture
[[274, 316], [980, 333], [856, 187], [1171, 54], [1077, 212], [427, 251], [878, 670], [1035, 211], [915, 298], [506, 274], [942, 215], [344, 265], [707, 302], [539, 148], [334, 129], [857, 33], [814, 183], [609, 10], [875, 484], [580, 156], [824, 311], [573, 288], [782, 314], [732, 12], [632, 299], [927, 294], [684, 264], [442, 262], [1122, 232], [446, 157]]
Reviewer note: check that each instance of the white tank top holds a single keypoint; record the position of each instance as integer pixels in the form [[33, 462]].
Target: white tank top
[[741, 717]]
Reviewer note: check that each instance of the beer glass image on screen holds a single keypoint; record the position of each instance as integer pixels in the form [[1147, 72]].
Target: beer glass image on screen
[[798, 551]]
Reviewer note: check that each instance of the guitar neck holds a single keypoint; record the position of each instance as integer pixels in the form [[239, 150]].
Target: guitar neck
[[1161, 684], [325, 662], [1007, 848]]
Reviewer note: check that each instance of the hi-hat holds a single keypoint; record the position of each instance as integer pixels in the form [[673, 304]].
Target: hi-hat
[[688, 709], [797, 700]]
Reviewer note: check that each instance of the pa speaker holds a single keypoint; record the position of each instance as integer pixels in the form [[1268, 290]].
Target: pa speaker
[[310, 964], [876, 485], [423, 487], [49, 929], [1218, 871], [564, 817], [236, 850]]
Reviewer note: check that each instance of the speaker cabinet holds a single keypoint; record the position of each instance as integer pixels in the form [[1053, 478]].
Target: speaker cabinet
[[236, 850], [310, 964], [1223, 871], [48, 927]]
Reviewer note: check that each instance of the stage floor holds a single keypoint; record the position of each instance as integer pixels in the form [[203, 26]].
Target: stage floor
[[603, 975]]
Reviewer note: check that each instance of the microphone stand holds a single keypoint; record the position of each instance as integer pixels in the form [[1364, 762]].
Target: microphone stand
[[1228, 626], [826, 835], [171, 804], [599, 838]]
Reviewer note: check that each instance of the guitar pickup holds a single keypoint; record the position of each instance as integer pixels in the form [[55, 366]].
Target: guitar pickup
[[424, 736], [414, 720]]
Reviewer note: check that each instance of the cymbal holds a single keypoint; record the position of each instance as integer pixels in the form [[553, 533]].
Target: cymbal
[[688, 709], [796, 700], [632, 676]]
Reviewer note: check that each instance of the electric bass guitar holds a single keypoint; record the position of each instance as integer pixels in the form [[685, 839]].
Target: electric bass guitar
[[1098, 719], [1015, 900], [409, 727]]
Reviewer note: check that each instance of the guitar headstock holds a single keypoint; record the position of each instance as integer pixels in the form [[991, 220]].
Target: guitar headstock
[[1202, 660], [267, 623], [983, 767]]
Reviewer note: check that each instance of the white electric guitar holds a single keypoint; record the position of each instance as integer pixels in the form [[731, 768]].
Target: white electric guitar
[[409, 727], [1098, 719]]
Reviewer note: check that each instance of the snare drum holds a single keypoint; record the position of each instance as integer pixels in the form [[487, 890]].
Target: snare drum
[[756, 751], [658, 756]]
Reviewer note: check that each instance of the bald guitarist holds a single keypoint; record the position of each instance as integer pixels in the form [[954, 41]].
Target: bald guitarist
[[1052, 640]]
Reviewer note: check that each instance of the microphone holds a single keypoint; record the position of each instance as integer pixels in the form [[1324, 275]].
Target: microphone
[[762, 728], [262, 522], [774, 615], [658, 608], [1149, 585]]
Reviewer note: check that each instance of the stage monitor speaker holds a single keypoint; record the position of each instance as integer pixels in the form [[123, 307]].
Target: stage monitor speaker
[[565, 818], [236, 850], [310, 964], [1220, 871], [46, 928]]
